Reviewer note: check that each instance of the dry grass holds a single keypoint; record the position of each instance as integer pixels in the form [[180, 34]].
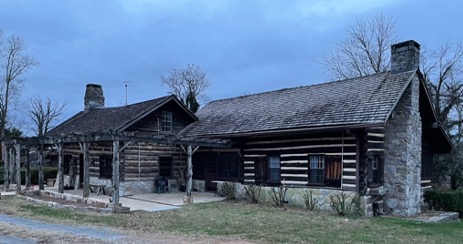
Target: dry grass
[[253, 222]]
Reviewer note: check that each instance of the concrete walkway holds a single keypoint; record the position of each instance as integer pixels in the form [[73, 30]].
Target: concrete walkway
[[146, 202]]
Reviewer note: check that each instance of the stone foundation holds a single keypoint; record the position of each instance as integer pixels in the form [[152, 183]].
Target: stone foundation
[[295, 197]]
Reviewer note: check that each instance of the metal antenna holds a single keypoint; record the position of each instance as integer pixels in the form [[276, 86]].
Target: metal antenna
[[126, 82]]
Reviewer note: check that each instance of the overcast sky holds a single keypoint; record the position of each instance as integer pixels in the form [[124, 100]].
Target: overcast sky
[[245, 46]]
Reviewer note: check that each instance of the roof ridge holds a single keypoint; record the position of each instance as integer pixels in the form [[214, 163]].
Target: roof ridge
[[298, 87], [134, 104]]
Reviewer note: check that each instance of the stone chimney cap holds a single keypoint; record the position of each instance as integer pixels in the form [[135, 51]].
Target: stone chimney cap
[[406, 44], [93, 85]]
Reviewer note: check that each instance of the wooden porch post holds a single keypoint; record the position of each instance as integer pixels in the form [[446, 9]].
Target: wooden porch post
[[6, 183], [6, 166], [190, 171], [17, 149], [84, 147], [115, 171], [59, 148], [11, 163], [28, 169], [189, 184]]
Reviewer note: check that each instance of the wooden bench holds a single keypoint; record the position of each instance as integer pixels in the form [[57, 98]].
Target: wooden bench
[[99, 187]]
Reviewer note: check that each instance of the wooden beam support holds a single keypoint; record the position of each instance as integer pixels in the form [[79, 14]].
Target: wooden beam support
[[6, 166], [59, 149], [116, 162], [11, 164], [84, 146], [189, 184], [17, 149], [28, 169]]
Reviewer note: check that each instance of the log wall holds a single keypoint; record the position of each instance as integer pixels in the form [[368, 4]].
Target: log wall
[[138, 162], [294, 157]]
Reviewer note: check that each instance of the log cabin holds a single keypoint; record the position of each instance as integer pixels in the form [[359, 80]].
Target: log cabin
[[374, 136]]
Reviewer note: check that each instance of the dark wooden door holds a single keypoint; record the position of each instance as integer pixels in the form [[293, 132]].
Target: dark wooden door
[[211, 172]]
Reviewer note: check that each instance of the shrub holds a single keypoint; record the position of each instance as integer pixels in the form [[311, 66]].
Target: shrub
[[278, 195], [341, 204], [450, 200], [253, 192], [311, 202], [228, 190]]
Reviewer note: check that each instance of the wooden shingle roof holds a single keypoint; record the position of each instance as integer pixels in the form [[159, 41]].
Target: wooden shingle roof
[[108, 119], [367, 100]]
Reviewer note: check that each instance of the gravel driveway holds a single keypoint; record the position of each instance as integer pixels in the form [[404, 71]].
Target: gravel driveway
[[22, 230]]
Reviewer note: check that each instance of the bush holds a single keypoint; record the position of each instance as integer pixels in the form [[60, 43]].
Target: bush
[[341, 204], [278, 195], [228, 190], [253, 193], [451, 200], [311, 202]]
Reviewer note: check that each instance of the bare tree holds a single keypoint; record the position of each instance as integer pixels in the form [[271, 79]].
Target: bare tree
[[188, 84], [43, 112], [366, 50], [443, 71], [13, 64]]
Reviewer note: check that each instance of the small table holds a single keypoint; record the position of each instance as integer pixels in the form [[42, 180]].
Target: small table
[[100, 188]]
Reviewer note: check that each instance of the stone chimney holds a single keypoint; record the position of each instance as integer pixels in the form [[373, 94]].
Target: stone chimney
[[405, 56], [93, 97]]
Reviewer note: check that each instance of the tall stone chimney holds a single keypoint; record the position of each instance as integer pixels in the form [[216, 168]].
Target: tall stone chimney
[[405, 56], [93, 97]]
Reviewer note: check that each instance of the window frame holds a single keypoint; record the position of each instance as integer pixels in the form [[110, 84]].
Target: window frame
[[167, 121], [320, 170], [375, 170], [228, 166], [277, 170]]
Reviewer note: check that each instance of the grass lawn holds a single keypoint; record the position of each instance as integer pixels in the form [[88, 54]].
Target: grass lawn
[[254, 223]]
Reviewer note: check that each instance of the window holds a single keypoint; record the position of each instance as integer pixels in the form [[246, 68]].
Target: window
[[165, 166], [375, 170], [166, 121], [325, 170], [106, 167], [228, 166], [273, 169], [317, 168]]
